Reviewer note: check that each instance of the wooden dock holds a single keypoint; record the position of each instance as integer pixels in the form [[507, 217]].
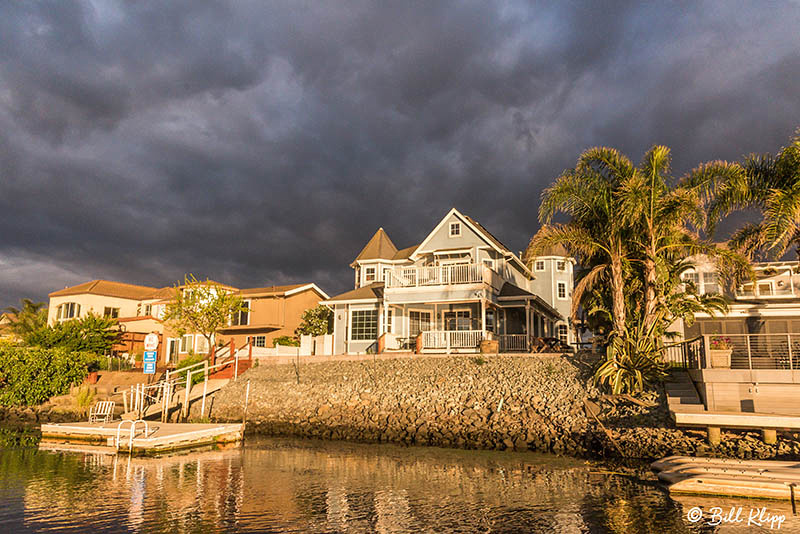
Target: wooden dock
[[766, 479], [123, 437]]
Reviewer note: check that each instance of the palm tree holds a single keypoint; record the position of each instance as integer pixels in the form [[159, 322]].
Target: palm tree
[[772, 185], [28, 318], [595, 233]]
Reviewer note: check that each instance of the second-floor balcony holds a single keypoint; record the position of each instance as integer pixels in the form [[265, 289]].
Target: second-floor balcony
[[440, 275]]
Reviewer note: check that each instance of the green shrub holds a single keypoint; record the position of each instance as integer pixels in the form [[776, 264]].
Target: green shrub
[[31, 375], [187, 362], [91, 333], [286, 341]]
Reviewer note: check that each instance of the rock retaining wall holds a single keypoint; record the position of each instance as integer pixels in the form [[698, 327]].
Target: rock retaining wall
[[489, 402]]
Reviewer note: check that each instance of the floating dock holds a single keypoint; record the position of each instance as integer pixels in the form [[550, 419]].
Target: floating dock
[[766, 479], [138, 439]]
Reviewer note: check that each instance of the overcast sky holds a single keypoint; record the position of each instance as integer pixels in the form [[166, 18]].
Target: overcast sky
[[264, 143]]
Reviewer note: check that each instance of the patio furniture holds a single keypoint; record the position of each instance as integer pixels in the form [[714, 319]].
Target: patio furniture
[[101, 412]]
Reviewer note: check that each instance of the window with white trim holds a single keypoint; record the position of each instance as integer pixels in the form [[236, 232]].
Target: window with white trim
[[363, 325], [148, 309], [187, 343], [561, 290], [538, 265], [455, 229], [457, 320], [562, 333], [389, 323], [561, 266], [259, 341], [68, 310], [369, 274], [418, 321], [710, 284], [693, 278], [242, 317], [112, 313]]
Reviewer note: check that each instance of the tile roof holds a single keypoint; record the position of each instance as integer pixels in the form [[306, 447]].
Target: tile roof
[[108, 289], [370, 292], [378, 247]]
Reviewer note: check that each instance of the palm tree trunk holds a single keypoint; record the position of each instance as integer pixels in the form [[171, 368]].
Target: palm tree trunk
[[650, 290], [618, 294]]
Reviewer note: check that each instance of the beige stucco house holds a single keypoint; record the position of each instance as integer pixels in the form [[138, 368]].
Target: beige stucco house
[[271, 312]]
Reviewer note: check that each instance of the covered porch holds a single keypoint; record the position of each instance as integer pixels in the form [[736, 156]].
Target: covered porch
[[459, 327]]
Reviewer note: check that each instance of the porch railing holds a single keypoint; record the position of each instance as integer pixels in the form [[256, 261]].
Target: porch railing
[[737, 351], [471, 273], [451, 339], [513, 342]]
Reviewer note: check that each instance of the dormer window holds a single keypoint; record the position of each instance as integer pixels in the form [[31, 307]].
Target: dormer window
[[369, 274], [455, 229], [538, 265]]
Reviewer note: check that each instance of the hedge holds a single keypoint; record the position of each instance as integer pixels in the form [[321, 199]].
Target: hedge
[[31, 375]]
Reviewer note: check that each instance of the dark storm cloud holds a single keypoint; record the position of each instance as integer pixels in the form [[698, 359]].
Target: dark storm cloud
[[264, 143]]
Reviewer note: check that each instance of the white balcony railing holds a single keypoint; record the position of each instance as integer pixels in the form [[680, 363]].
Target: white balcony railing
[[468, 273], [451, 339]]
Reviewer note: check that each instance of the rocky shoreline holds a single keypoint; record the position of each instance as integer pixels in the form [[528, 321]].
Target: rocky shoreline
[[538, 403]]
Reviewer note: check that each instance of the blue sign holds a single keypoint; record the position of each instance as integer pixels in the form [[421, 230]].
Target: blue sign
[[150, 356], [149, 368]]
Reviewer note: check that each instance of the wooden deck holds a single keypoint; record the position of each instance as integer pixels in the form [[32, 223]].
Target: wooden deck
[[765, 479], [160, 437]]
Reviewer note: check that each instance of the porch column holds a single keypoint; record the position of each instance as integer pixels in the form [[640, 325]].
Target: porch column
[[385, 318], [483, 316], [528, 325]]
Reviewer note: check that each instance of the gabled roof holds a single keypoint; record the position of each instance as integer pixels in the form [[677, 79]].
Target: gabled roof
[[481, 231], [378, 247], [373, 291], [285, 290], [496, 242], [108, 289]]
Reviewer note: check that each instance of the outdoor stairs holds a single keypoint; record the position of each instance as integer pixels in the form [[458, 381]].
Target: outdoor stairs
[[228, 372], [681, 393]]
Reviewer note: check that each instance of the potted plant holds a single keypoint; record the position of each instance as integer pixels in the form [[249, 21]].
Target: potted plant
[[93, 368], [720, 350]]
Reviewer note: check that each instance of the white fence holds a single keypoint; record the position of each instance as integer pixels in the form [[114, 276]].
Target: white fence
[[471, 273], [316, 345], [451, 339]]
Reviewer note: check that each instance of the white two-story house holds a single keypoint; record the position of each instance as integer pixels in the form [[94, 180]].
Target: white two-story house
[[458, 286]]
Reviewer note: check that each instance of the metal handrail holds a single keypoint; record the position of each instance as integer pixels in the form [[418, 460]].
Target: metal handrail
[[133, 429]]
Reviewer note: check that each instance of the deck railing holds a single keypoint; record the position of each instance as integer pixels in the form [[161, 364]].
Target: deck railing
[[451, 339], [737, 351], [468, 273], [513, 342]]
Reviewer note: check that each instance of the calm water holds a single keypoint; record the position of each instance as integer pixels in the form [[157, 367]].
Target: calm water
[[274, 485]]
